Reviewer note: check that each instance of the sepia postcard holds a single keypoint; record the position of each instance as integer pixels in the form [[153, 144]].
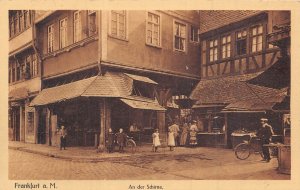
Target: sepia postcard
[[145, 95]]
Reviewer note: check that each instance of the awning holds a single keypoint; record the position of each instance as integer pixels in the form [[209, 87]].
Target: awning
[[18, 94], [144, 104], [276, 76], [141, 78]]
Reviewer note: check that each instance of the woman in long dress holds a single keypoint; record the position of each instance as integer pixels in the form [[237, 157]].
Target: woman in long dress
[[184, 134], [171, 140], [155, 139]]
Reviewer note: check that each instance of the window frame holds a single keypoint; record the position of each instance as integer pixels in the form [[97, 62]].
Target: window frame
[[239, 40], [226, 46], [192, 40], [117, 36], [185, 38], [50, 35], [213, 48], [152, 24], [256, 36], [65, 31], [77, 27]]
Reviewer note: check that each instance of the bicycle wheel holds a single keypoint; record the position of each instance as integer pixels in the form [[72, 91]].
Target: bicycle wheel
[[131, 146], [242, 151]]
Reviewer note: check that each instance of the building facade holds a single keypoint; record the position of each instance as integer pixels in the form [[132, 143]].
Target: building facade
[[235, 49], [154, 53], [24, 74]]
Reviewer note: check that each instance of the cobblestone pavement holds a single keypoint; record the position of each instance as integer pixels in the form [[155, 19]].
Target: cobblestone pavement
[[183, 163]]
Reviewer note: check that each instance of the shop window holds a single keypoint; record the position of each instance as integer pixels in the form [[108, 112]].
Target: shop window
[[92, 22], [153, 29], [118, 24], [63, 33], [213, 50], [226, 46], [256, 38], [50, 38], [77, 26], [179, 36], [194, 34], [241, 42]]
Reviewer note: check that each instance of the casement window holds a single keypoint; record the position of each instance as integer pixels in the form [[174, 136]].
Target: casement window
[[50, 38], [34, 66], [179, 36], [256, 38], [19, 71], [241, 42], [153, 29], [213, 50], [26, 19], [9, 74], [63, 33], [12, 28], [21, 21], [194, 34], [92, 22], [13, 75], [118, 24], [226, 46], [77, 26], [16, 24]]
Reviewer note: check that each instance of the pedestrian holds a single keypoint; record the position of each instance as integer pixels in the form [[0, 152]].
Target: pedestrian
[[155, 140], [194, 126], [193, 138], [171, 140], [110, 140], [184, 134], [265, 133], [63, 137], [121, 139], [176, 130]]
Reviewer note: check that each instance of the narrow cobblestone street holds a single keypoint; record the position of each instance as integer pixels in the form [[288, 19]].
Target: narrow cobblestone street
[[184, 163]]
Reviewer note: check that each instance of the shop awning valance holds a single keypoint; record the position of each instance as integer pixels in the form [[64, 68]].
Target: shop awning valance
[[144, 104], [141, 78]]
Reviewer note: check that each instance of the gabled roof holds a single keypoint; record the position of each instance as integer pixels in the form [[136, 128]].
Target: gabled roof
[[236, 93], [212, 19]]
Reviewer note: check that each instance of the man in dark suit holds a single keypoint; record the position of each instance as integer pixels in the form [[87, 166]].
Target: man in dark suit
[[265, 133], [121, 139]]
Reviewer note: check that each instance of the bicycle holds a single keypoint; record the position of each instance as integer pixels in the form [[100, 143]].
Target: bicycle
[[130, 144], [245, 149]]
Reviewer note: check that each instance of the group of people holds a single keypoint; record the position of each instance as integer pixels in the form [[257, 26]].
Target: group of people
[[178, 136]]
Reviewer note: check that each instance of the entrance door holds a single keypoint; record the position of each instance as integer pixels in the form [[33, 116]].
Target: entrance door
[[42, 128], [17, 124]]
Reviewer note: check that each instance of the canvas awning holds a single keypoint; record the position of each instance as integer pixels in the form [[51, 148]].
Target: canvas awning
[[141, 78], [144, 104]]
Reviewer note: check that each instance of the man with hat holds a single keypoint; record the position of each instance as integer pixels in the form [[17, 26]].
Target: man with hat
[[265, 133], [63, 139]]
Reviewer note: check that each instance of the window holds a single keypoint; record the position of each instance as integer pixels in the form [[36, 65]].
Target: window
[[180, 36], [16, 23], [34, 68], [12, 28], [194, 34], [226, 49], [241, 42], [27, 68], [9, 74], [256, 38], [63, 33], [153, 29], [26, 19], [92, 22], [213, 50], [19, 70], [21, 20], [77, 26], [13, 75], [118, 24], [50, 38]]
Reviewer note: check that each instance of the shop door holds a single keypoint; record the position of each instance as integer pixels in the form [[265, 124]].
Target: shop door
[[42, 128]]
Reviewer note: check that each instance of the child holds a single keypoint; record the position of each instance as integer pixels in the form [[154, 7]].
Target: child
[[155, 138], [171, 140], [193, 138], [121, 139]]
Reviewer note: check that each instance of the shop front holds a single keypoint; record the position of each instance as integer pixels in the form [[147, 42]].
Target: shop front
[[89, 107]]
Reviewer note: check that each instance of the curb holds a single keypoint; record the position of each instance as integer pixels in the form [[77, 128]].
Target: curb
[[81, 159]]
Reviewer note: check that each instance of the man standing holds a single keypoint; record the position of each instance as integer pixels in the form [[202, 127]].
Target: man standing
[[265, 133], [63, 135], [121, 139], [175, 129]]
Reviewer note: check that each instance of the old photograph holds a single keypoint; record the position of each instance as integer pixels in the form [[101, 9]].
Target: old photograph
[[149, 95]]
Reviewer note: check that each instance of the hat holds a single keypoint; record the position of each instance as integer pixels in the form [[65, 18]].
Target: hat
[[194, 121], [264, 119]]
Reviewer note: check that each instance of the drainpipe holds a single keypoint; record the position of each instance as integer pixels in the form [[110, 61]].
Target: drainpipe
[[99, 42]]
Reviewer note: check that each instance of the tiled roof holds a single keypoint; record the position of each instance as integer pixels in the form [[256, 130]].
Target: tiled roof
[[212, 19], [235, 91]]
